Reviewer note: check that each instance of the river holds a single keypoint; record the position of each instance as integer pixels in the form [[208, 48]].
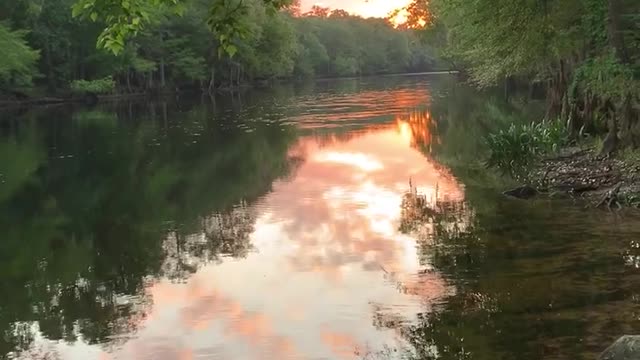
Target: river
[[276, 224]]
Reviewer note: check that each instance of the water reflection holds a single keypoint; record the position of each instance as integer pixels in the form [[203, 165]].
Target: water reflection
[[327, 249], [316, 223], [87, 204]]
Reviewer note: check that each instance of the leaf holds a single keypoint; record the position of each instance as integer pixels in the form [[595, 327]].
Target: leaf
[[231, 50], [94, 16], [76, 10]]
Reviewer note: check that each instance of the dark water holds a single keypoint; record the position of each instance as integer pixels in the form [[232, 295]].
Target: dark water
[[267, 225]]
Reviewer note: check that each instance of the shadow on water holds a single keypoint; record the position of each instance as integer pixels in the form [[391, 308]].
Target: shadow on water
[[97, 204]]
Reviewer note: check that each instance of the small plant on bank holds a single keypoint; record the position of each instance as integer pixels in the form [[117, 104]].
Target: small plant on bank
[[518, 146], [100, 86]]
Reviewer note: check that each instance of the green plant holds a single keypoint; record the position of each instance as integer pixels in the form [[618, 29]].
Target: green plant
[[514, 148], [99, 86], [631, 200], [630, 155]]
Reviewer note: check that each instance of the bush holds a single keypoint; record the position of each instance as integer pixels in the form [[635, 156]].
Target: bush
[[100, 86], [516, 147]]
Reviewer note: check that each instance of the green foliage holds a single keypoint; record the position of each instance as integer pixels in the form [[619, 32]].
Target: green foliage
[[99, 86], [630, 156], [125, 19], [156, 48], [586, 52], [17, 63], [606, 76], [345, 66], [517, 146]]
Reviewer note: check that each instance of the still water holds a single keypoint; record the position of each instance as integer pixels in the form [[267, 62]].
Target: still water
[[270, 224]]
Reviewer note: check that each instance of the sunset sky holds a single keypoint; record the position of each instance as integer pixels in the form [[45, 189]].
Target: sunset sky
[[371, 8]]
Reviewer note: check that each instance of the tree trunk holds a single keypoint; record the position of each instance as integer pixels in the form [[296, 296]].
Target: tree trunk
[[50, 76], [128, 75], [212, 81], [162, 74], [610, 143], [616, 38], [623, 122]]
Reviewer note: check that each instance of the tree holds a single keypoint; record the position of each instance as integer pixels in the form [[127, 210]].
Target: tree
[[170, 51], [295, 8], [17, 64], [339, 13], [125, 19], [318, 11]]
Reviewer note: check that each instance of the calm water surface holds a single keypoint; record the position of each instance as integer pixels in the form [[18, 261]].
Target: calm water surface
[[271, 225]]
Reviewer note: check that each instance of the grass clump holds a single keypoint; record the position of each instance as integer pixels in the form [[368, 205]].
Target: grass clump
[[100, 86], [630, 155], [518, 146]]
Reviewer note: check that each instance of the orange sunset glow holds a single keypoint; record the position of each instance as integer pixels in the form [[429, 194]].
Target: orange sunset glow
[[370, 8]]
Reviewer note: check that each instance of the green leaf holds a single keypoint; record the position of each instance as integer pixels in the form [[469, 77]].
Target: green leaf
[[76, 10], [231, 50]]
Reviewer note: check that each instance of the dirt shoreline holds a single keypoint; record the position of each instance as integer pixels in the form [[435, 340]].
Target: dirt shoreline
[[578, 172]]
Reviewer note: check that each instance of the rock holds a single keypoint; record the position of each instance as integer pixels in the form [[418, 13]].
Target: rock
[[625, 348], [522, 192]]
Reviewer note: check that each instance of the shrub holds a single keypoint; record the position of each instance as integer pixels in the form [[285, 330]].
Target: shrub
[[99, 86], [516, 147]]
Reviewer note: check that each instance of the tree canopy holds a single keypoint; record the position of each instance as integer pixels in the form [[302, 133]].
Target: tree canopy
[[128, 17], [144, 45], [18, 61]]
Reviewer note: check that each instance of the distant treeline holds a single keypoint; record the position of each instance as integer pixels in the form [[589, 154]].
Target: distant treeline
[[45, 47]]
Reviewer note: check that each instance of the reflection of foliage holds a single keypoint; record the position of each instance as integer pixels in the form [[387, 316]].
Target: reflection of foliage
[[422, 127], [87, 211], [231, 231], [432, 219], [95, 118], [416, 210], [529, 278], [463, 119], [223, 234]]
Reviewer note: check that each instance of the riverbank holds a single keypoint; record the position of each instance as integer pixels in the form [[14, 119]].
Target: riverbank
[[580, 172], [22, 99], [55, 100]]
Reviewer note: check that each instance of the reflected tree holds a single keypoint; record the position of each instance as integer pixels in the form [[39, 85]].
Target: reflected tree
[[95, 203], [532, 280]]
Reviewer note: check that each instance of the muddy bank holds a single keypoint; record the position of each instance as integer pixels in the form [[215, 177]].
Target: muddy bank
[[607, 182]]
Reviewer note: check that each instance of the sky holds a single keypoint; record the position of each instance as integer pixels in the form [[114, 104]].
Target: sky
[[370, 8]]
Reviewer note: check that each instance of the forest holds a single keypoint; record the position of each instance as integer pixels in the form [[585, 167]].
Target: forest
[[51, 48]]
